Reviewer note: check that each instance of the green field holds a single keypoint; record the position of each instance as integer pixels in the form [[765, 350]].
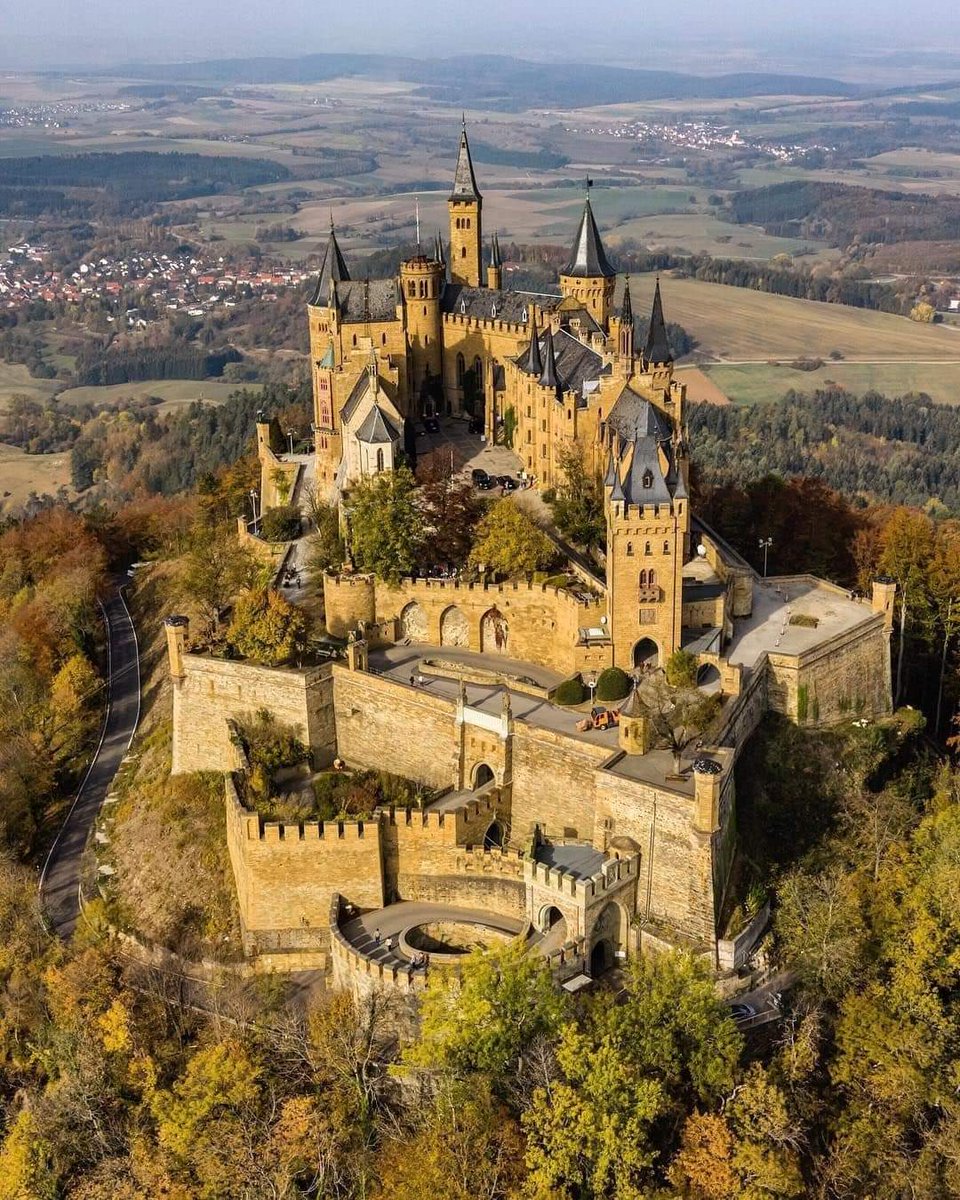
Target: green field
[[754, 383], [174, 393], [16, 380], [738, 324], [21, 474]]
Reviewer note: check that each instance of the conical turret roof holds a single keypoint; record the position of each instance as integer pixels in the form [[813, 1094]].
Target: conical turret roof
[[657, 350], [464, 180], [626, 305], [333, 269], [548, 376], [495, 258], [588, 258], [534, 363]]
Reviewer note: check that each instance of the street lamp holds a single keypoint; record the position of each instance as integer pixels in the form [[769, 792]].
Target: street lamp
[[253, 505], [290, 435], [592, 685], [765, 544]]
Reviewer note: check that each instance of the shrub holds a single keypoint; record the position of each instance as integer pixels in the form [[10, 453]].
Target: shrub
[[280, 524], [571, 691], [268, 629], [613, 684], [681, 669]]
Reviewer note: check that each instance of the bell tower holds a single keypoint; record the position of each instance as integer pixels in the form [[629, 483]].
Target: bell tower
[[465, 205], [588, 277]]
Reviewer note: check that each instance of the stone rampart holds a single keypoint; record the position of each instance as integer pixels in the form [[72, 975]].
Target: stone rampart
[[534, 622], [213, 691], [286, 874]]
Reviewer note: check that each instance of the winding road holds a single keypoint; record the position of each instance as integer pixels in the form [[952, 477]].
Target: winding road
[[60, 878]]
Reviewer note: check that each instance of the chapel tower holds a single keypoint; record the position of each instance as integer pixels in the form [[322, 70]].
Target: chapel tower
[[465, 205], [588, 277]]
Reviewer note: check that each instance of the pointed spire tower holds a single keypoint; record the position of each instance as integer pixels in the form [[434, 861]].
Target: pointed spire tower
[[588, 277], [622, 326], [495, 269], [533, 363], [333, 270], [548, 376], [465, 206], [657, 352]]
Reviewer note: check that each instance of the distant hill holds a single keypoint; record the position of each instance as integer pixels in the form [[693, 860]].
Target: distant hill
[[495, 80]]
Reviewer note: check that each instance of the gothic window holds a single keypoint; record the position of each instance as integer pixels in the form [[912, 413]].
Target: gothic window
[[478, 371], [383, 339], [461, 368], [424, 310], [411, 288], [354, 339], [643, 579], [463, 252], [630, 549], [652, 578], [648, 479], [379, 460]]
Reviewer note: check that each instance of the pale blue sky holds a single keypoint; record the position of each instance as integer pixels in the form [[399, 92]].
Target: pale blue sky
[[97, 32]]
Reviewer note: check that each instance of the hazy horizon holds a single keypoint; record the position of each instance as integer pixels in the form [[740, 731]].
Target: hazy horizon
[[695, 35]]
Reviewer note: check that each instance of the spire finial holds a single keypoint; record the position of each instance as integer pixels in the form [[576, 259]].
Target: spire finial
[[463, 121], [418, 224]]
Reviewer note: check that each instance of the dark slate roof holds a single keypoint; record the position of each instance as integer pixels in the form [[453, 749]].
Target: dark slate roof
[[645, 469], [464, 180], [363, 300], [377, 428], [480, 302], [548, 376], [657, 349], [586, 318], [333, 267], [533, 362], [588, 258], [439, 252], [496, 259], [633, 706], [633, 417], [626, 307]]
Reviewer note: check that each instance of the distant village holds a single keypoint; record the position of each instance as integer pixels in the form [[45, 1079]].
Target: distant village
[[697, 135], [160, 283]]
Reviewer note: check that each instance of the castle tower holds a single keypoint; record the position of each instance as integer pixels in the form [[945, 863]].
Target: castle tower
[[588, 277], [465, 205], [421, 285], [657, 357], [495, 269], [323, 317], [621, 333], [634, 732]]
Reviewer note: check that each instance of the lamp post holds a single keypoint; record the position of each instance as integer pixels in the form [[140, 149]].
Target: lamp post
[[253, 505], [592, 685], [290, 434], [765, 544]]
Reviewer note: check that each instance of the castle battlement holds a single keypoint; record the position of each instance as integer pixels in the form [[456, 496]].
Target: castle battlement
[[486, 324], [616, 871]]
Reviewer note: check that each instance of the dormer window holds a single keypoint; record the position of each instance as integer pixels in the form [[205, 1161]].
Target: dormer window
[[493, 310], [648, 478], [463, 306], [524, 315]]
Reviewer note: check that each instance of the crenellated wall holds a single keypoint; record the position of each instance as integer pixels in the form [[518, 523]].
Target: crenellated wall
[[542, 622], [212, 691]]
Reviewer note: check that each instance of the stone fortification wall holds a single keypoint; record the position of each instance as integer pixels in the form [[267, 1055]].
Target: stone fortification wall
[[539, 623], [212, 691], [847, 676], [286, 874], [675, 876], [404, 730], [553, 783]]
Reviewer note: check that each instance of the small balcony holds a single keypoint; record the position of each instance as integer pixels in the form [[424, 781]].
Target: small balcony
[[649, 595]]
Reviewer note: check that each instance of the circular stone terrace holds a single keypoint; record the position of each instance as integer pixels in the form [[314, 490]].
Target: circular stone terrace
[[411, 934]]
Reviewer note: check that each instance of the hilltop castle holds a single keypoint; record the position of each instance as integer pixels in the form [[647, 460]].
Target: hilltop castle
[[593, 842]]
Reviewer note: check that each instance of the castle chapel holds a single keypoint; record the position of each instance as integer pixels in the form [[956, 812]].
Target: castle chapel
[[555, 372]]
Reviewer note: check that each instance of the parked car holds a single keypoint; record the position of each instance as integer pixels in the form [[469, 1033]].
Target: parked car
[[507, 482], [481, 480], [431, 424], [605, 718]]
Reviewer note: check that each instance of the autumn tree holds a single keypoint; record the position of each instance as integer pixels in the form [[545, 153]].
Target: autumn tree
[[217, 568], [906, 547], [451, 509], [509, 543], [577, 503], [266, 628], [385, 525]]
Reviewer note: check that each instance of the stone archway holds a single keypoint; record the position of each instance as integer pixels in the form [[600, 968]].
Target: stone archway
[[494, 632], [413, 623], [608, 937], [482, 775], [708, 678], [454, 628], [493, 838], [646, 654], [550, 919]]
